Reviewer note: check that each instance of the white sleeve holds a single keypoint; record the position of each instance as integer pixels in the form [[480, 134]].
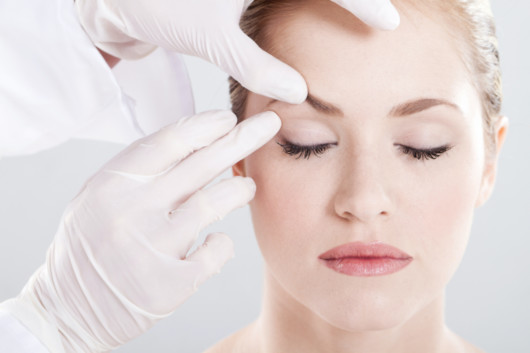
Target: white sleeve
[[25, 327], [15, 337], [55, 85]]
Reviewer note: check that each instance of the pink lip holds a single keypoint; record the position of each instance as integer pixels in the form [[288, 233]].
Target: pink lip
[[362, 259]]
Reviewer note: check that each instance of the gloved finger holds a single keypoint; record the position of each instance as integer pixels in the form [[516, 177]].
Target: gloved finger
[[376, 13], [216, 250], [154, 154], [203, 166], [257, 70], [200, 210]]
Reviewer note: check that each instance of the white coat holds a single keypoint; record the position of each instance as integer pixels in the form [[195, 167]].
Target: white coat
[[55, 85]]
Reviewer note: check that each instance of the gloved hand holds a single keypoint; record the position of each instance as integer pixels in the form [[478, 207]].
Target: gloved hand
[[209, 29], [119, 261]]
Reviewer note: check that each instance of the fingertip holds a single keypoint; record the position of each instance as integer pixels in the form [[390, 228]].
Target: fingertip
[[385, 16], [263, 73], [269, 121], [251, 186], [222, 243], [286, 85], [390, 18]]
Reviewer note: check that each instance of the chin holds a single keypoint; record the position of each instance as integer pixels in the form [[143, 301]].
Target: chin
[[366, 319], [366, 312]]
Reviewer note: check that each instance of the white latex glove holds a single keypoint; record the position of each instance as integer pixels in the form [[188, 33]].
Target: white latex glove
[[119, 261], [209, 29]]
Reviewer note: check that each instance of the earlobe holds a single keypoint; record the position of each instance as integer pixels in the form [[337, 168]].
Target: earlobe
[[490, 169], [238, 169]]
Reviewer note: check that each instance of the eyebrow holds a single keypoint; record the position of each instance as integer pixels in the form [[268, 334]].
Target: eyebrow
[[418, 105], [317, 104], [404, 109], [323, 107]]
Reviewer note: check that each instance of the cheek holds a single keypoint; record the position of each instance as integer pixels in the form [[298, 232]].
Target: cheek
[[442, 211], [284, 204]]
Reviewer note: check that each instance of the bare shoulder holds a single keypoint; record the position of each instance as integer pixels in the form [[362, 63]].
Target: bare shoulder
[[234, 343], [468, 347], [227, 345], [460, 345]]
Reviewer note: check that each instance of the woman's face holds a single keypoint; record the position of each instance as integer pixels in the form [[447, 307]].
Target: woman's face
[[373, 93]]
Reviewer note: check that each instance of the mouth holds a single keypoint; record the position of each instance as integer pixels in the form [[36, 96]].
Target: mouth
[[365, 259]]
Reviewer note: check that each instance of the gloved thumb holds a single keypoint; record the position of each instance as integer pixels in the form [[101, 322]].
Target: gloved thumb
[[216, 250], [375, 13], [258, 71]]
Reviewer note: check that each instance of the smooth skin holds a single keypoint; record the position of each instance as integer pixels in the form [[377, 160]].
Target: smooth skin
[[364, 187]]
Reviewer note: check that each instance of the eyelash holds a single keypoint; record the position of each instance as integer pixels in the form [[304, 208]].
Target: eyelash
[[431, 153], [306, 151]]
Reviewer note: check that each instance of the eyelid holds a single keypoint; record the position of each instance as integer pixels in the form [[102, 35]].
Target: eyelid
[[305, 150], [425, 153], [305, 131]]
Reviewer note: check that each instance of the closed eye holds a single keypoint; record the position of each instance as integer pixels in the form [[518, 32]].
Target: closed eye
[[425, 154], [307, 151]]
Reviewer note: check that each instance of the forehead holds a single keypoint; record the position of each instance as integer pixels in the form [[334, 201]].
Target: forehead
[[347, 62]]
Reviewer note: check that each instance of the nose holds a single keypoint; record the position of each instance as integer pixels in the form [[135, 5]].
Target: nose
[[362, 193]]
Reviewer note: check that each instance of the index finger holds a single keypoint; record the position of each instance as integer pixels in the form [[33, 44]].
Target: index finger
[[203, 166]]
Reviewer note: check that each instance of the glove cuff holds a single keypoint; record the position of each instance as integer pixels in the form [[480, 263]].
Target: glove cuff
[[30, 313]]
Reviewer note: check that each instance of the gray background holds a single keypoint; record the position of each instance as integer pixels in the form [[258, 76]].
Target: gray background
[[487, 300]]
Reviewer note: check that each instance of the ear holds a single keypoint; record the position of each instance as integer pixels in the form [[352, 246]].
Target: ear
[[238, 169], [490, 169]]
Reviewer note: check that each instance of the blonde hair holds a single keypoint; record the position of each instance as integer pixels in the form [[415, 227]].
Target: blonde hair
[[474, 29]]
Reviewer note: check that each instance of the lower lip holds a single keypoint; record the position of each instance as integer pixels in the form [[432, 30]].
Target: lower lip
[[370, 266]]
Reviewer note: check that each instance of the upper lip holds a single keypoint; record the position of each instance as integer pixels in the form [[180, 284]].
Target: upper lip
[[364, 250]]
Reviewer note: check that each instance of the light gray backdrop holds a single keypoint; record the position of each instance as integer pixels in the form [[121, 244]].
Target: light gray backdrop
[[487, 300]]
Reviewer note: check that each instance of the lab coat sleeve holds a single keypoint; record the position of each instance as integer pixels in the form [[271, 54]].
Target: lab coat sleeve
[[55, 85], [15, 337]]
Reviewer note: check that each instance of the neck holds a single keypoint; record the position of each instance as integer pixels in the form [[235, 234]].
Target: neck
[[285, 325]]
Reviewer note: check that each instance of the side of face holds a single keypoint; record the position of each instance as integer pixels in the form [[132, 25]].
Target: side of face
[[363, 187]]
